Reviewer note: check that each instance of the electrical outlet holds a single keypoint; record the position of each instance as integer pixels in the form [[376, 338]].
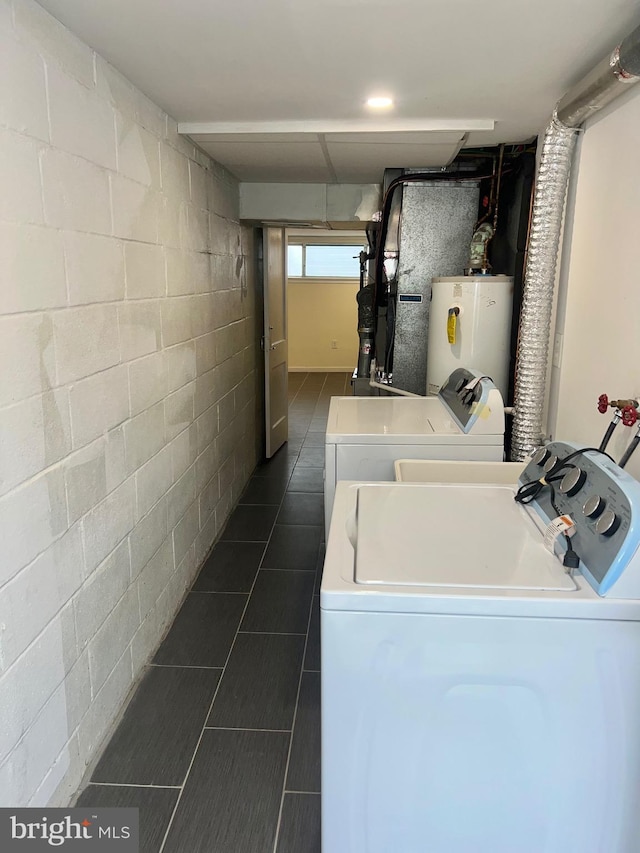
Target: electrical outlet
[[334, 344], [557, 350]]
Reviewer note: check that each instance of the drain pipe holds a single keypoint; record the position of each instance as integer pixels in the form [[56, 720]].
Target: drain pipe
[[609, 79]]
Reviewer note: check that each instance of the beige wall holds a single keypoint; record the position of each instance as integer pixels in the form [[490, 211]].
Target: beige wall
[[319, 312], [128, 391], [599, 298]]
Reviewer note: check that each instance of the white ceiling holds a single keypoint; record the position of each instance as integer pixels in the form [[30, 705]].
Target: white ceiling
[[275, 89]]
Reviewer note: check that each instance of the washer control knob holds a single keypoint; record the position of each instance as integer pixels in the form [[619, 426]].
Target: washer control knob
[[608, 523], [573, 481], [540, 456], [593, 506], [550, 464]]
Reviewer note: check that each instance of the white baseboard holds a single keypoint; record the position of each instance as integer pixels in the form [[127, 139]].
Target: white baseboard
[[348, 369]]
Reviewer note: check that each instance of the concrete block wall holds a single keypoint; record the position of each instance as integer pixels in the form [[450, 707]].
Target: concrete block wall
[[129, 390]]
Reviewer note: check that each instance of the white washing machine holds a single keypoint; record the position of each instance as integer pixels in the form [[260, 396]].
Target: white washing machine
[[365, 435], [476, 698]]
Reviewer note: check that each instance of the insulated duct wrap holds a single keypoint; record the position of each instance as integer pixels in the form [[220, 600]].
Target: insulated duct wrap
[[601, 86], [540, 275]]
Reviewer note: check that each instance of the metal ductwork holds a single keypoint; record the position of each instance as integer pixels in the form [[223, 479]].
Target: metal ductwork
[[609, 79]]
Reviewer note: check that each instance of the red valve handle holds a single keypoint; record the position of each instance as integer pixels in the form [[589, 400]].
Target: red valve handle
[[629, 416], [603, 403]]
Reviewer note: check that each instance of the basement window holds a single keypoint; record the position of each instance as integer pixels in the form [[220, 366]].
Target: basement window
[[323, 260]]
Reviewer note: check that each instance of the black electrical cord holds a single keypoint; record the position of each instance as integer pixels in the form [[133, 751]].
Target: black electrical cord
[[570, 560], [528, 492]]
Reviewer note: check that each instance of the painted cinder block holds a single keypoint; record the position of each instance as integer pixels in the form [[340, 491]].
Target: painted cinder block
[[34, 435], [107, 524], [105, 705], [98, 404], [181, 364], [82, 123], [153, 480], [136, 210], [179, 410], [155, 576], [22, 696], [54, 41], [207, 465], [101, 592], [93, 472], [185, 532], [113, 638], [184, 450], [209, 497], [22, 107], [177, 320], [174, 170], [138, 152], [147, 381], [144, 436], [35, 596], [76, 193], [31, 268], [181, 495], [145, 268], [148, 535], [21, 197], [32, 517], [95, 268], [115, 89], [86, 340], [46, 743], [140, 328], [131, 356], [208, 428], [205, 353]]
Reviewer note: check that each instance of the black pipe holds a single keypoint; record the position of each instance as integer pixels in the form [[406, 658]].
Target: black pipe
[[629, 451], [608, 433]]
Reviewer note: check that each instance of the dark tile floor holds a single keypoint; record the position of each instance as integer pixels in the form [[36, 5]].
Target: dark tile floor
[[220, 746]]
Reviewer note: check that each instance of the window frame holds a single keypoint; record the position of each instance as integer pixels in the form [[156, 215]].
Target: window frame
[[303, 242]]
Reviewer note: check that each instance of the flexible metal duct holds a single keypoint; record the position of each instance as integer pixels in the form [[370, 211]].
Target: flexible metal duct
[[606, 82]]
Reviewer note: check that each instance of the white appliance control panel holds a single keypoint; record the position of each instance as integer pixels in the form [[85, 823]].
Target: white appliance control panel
[[603, 501], [473, 401]]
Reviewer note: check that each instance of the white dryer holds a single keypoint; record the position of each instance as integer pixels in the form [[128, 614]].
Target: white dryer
[[365, 435], [477, 698]]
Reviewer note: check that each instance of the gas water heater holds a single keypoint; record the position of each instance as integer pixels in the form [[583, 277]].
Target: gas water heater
[[469, 326]]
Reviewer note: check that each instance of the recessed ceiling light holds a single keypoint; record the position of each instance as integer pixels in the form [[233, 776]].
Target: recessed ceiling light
[[379, 102]]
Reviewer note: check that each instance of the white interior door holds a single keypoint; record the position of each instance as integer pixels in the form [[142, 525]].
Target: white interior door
[[275, 338]]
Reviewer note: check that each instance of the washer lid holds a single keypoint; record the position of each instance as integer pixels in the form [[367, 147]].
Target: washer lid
[[386, 416], [465, 537]]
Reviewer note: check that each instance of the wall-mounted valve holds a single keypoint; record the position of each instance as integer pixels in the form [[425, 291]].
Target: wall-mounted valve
[[604, 403], [625, 411]]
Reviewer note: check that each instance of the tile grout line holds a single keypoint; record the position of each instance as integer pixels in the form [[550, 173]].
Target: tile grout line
[[240, 729], [295, 713], [309, 793], [204, 727], [274, 633], [133, 785], [289, 402], [188, 665], [293, 727]]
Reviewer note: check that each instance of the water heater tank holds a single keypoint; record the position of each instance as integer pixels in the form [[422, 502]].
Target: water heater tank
[[469, 326]]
